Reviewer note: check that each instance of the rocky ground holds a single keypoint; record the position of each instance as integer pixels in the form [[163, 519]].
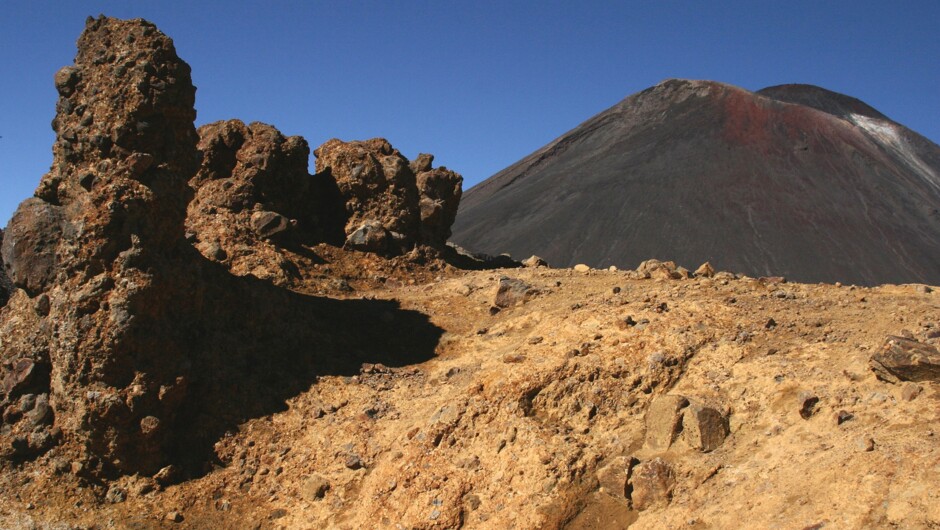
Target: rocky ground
[[532, 417], [201, 334]]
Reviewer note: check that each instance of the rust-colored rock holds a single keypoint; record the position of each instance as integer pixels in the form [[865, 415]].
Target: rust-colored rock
[[439, 193], [145, 349], [379, 185], [651, 484]]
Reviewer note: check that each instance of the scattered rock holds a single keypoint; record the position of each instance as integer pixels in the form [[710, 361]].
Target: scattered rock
[[174, 517], [115, 494], [704, 428], [269, 224], [664, 421], [843, 416], [534, 261], [580, 267], [613, 477], [910, 391], [808, 403], [511, 292], [353, 462], [901, 359], [705, 270], [370, 236], [658, 270], [650, 484]]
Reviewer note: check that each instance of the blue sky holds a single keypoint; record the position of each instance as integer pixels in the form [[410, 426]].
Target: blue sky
[[479, 84]]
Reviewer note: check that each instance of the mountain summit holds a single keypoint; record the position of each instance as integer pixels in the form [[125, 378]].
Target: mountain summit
[[792, 180]]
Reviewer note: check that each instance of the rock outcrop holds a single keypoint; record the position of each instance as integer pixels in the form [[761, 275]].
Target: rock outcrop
[[254, 200], [121, 341], [391, 204]]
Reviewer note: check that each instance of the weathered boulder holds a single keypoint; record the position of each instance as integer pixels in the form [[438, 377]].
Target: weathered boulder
[[658, 270], [704, 428], [705, 270], [534, 262], [664, 421], [254, 199], [901, 359], [651, 484], [439, 193], [413, 202], [375, 182], [512, 291], [29, 245]]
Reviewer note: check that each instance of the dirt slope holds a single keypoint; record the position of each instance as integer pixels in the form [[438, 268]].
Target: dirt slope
[[511, 423]]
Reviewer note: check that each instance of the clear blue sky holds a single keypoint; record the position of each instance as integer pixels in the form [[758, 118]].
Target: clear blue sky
[[479, 84]]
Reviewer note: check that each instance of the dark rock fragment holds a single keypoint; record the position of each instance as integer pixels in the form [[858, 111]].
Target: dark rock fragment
[[901, 359]]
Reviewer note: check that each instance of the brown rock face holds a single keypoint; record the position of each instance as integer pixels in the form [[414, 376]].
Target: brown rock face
[[379, 185], [95, 246], [253, 196]]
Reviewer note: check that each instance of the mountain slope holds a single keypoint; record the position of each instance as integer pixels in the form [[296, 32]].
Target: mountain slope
[[793, 180]]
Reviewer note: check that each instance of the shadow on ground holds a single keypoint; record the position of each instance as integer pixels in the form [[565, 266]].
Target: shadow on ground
[[251, 346]]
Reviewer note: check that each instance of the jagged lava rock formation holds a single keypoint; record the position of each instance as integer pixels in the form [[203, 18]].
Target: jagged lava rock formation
[[795, 181], [135, 350]]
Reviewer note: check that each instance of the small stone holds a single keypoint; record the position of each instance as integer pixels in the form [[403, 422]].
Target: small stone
[[513, 358], [616, 290], [534, 261], [115, 494], [704, 428], [353, 462], [269, 224], [903, 359], [435, 513], [705, 270], [535, 340], [910, 391], [865, 444], [652, 483], [843, 416], [664, 421], [166, 476], [174, 516], [580, 267], [808, 403], [511, 292], [770, 324]]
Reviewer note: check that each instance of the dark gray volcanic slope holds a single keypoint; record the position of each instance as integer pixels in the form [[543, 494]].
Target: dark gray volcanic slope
[[793, 180]]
